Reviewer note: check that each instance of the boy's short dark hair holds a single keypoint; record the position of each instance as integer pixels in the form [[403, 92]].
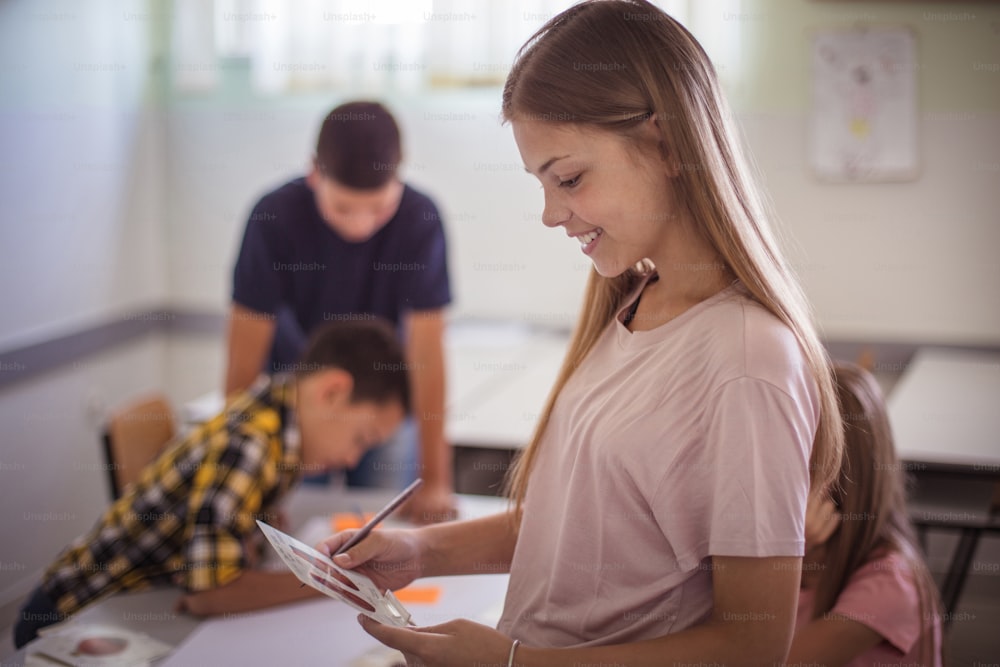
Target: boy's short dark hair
[[367, 349], [359, 145]]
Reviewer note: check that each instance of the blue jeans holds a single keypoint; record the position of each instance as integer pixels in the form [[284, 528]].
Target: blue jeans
[[391, 465]]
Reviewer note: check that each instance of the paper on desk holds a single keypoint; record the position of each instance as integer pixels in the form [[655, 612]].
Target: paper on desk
[[97, 645], [319, 572]]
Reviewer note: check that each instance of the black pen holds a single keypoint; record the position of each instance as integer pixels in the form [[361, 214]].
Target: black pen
[[377, 519]]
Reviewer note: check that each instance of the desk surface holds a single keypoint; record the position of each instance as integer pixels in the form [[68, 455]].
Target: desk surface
[[515, 374], [322, 631], [325, 632], [945, 410]]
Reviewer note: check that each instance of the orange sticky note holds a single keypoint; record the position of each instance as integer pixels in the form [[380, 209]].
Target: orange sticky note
[[348, 521], [418, 594]]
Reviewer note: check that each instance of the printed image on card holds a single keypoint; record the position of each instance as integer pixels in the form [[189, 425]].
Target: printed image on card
[[318, 571]]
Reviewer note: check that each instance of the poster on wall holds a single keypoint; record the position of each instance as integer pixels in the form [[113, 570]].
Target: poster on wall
[[863, 123]]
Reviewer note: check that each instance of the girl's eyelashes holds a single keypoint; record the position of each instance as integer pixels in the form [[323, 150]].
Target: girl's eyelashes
[[568, 183]]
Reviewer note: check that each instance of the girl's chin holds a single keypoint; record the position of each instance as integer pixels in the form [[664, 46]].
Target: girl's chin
[[609, 271]]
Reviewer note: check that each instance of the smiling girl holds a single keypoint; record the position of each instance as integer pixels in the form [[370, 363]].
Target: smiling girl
[[658, 512]]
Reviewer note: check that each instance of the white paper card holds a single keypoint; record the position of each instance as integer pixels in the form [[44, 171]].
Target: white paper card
[[319, 572], [96, 645]]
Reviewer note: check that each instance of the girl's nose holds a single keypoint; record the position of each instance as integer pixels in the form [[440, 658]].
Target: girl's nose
[[554, 214]]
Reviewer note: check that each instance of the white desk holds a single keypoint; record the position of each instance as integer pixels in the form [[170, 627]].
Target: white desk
[[945, 416], [945, 410], [479, 357], [323, 631], [502, 409]]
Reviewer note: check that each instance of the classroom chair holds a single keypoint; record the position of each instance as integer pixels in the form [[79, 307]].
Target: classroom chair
[[133, 436]]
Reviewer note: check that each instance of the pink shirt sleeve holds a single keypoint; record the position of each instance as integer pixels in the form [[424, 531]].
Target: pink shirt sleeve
[[881, 595], [761, 438]]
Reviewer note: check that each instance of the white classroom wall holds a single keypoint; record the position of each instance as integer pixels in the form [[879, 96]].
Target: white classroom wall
[[53, 477], [910, 262], [82, 185], [894, 262], [81, 241]]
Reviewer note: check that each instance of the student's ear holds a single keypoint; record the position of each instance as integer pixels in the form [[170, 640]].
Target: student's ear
[[312, 178], [334, 385], [652, 134]]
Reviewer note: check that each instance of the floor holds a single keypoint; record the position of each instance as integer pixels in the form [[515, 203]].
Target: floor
[[973, 637]]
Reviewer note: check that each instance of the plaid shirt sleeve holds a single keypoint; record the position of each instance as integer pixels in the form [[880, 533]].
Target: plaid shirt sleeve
[[227, 494]]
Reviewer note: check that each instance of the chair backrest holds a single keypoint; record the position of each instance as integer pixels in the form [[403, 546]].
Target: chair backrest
[[134, 436]]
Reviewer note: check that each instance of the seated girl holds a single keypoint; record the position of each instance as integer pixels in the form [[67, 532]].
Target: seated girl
[[867, 597]]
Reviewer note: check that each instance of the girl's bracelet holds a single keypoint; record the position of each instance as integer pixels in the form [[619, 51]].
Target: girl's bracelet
[[513, 647]]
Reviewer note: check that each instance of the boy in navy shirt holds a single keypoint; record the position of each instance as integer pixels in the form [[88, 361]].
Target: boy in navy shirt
[[350, 241]]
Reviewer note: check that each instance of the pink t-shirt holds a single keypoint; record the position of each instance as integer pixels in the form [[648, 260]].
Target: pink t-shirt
[[664, 448], [881, 594]]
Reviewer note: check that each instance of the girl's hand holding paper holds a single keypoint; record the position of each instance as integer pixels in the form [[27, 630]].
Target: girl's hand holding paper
[[457, 643], [316, 570]]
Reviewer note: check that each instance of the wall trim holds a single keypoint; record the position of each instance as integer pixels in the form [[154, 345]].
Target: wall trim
[[29, 361]]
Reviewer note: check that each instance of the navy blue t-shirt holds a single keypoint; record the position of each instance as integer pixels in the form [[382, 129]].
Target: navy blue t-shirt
[[294, 266]]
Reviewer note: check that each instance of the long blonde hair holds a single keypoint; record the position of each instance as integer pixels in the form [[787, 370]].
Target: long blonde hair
[[611, 64], [871, 497]]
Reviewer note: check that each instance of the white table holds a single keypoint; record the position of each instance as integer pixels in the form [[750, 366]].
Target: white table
[[323, 631], [945, 417], [326, 632], [945, 410], [499, 384]]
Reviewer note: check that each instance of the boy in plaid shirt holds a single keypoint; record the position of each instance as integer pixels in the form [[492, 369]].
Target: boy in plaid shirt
[[186, 519]]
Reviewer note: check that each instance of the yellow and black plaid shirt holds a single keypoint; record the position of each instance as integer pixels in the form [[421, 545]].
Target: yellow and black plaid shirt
[[185, 519]]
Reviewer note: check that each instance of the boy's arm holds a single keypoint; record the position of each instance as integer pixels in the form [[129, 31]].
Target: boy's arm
[[249, 339], [434, 501], [254, 589]]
